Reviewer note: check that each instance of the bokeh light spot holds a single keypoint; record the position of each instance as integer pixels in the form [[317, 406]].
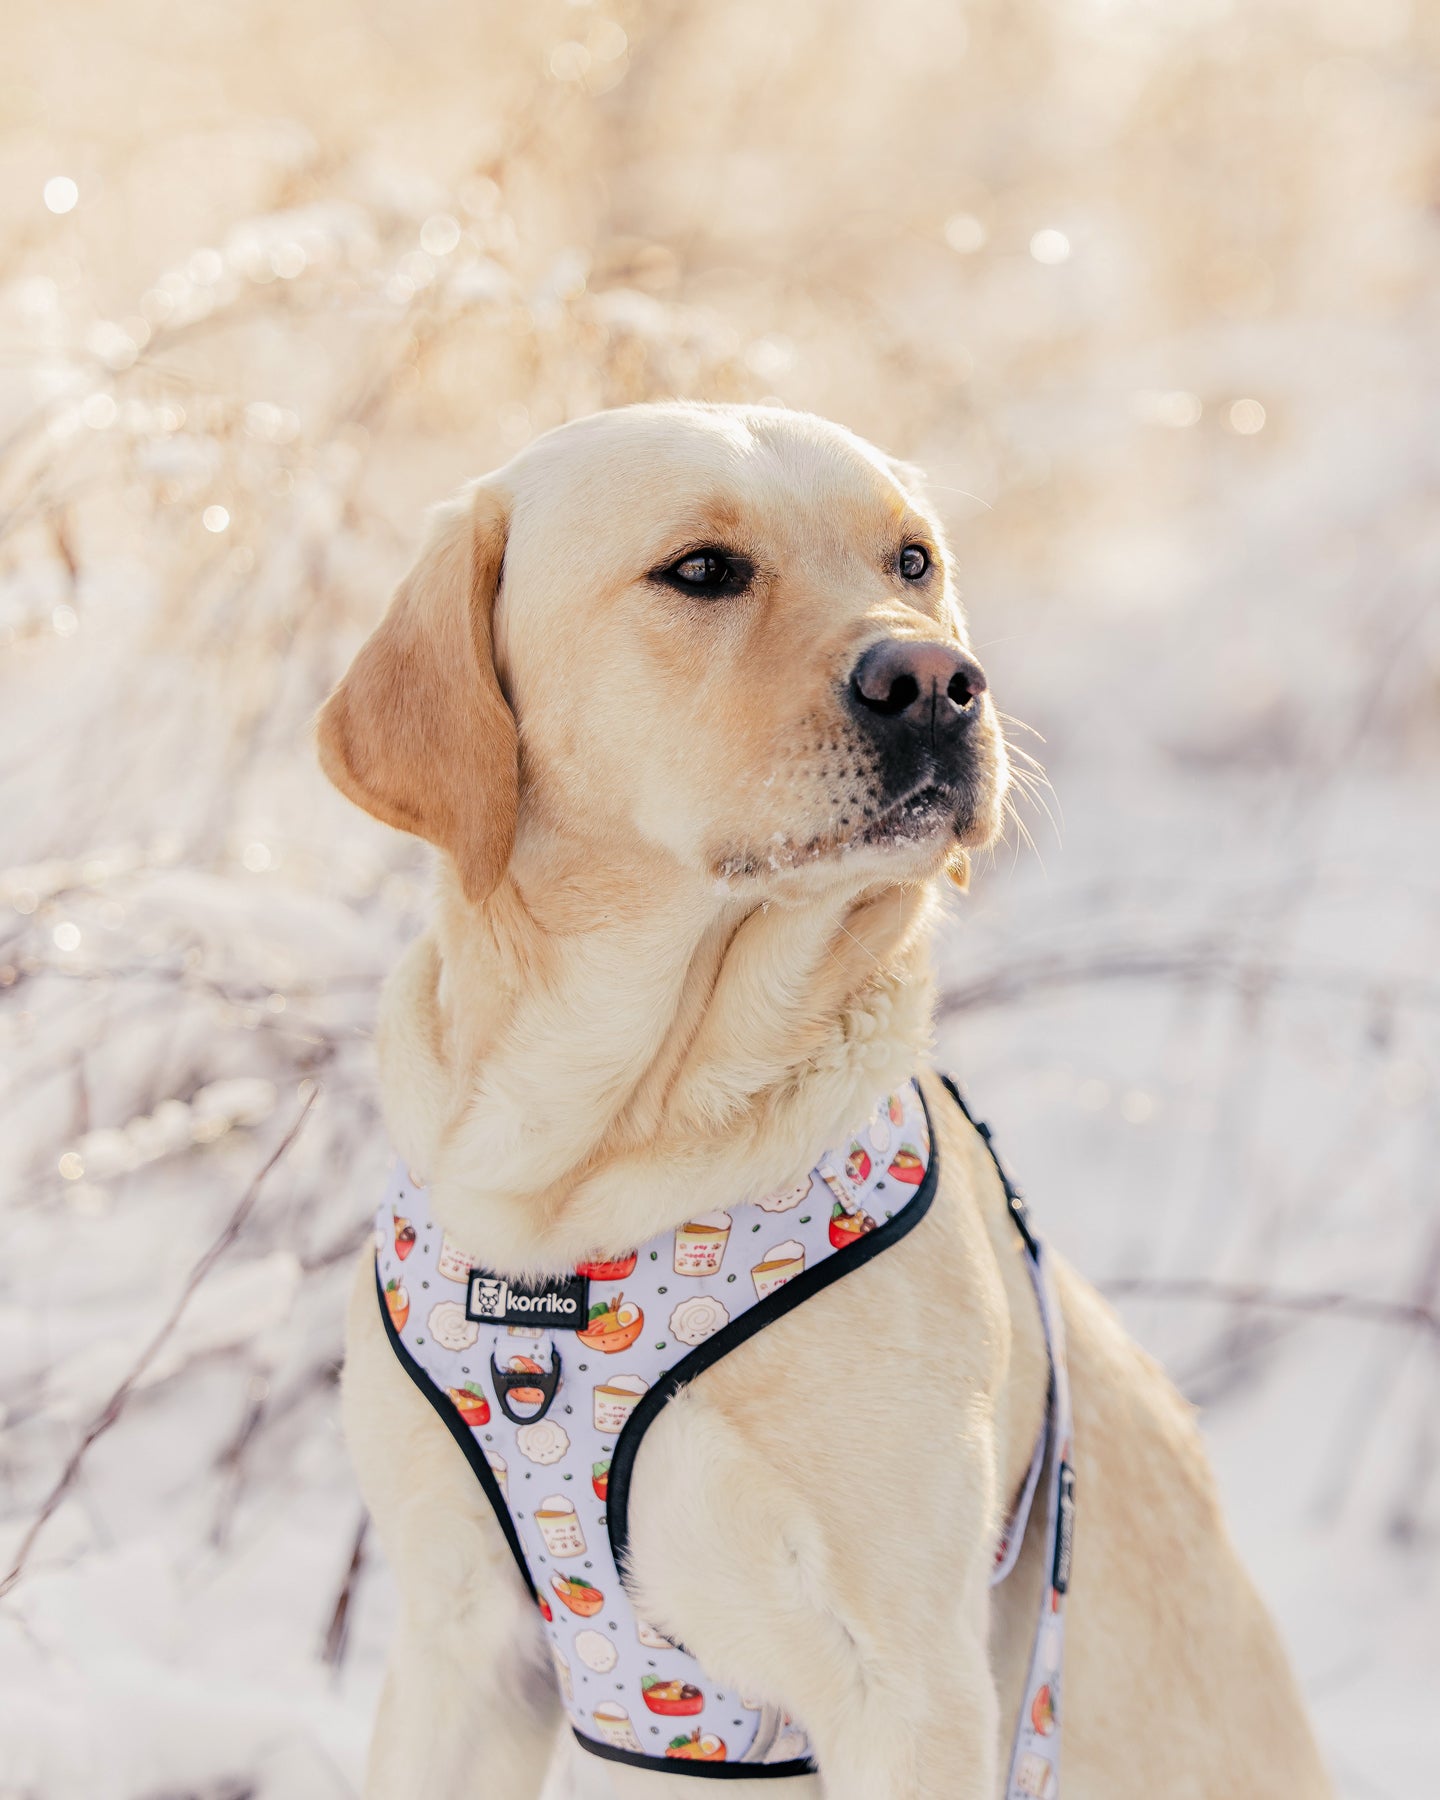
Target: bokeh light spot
[[99, 411], [1247, 417], [965, 233], [570, 61], [1050, 246], [1175, 407], [439, 234]]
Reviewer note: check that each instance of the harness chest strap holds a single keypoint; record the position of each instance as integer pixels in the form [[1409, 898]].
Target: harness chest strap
[[555, 1451]]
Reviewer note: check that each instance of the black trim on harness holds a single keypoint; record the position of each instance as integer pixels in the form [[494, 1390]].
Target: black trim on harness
[[763, 1313], [1014, 1199], [462, 1434], [684, 1765]]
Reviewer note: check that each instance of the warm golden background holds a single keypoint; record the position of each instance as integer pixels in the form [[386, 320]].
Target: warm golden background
[[1151, 290]]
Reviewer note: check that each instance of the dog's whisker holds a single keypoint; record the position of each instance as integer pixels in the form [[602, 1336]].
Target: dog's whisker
[[1019, 724], [1024, 756], [1024, 833], [1034, 793]]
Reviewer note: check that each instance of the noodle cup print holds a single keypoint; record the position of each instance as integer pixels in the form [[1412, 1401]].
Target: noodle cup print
[[450, 1328], [781, 1263], [559, 1527], [562, 1672], [455, 1264], [700, 1244], [544, 1441], [615, 1400], [693, 1321], [613, 1724], [596, 1651], [785, 1199]]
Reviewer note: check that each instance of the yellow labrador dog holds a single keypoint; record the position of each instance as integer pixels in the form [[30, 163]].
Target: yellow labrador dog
[[683, 697]]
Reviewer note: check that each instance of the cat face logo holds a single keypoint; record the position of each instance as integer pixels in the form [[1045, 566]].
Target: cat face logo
[[488, 1298], [562, 1302]]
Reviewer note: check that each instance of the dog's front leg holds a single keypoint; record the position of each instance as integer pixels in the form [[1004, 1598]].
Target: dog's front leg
[[908, 1715], [451, 1729], [894, 1719], [898, 1745], [828, 1596], [470, 1707]]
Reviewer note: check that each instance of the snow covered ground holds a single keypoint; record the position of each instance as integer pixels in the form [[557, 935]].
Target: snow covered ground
[[1152, 297]]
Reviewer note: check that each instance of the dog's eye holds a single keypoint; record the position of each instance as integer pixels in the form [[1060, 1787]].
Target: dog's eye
[[914, 561], [708, 572]]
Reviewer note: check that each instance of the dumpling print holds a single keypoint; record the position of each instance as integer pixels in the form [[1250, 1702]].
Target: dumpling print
[[596, 1651], [785, 1199]]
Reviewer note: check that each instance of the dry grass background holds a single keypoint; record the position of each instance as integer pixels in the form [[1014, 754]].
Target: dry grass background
[[1151, 292]]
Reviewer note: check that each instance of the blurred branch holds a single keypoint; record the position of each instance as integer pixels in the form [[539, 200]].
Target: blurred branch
[[337, 1633], [115, 1405], [1203, 961], [1255, 1295]]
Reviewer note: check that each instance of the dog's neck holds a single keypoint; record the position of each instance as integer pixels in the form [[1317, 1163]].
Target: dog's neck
[[606, 1046]]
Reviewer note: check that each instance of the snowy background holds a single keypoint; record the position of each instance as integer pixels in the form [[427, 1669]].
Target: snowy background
[[1151, 291]]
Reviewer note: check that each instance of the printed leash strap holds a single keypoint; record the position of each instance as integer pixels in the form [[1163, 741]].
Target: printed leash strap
[[1035, 1758]]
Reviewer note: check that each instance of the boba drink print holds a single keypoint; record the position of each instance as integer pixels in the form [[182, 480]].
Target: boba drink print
[[554, 1457]]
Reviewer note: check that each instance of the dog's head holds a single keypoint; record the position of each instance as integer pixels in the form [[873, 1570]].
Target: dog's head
[[727, 633]]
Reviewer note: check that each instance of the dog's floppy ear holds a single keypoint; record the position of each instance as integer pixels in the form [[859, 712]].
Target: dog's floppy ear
[[418, 732]]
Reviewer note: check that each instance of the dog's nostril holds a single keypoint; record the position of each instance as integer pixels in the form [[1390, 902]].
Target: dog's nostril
[[959, 691], [888, 697], [904, 691]]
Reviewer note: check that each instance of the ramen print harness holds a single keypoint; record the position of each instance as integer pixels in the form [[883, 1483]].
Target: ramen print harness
[[548, 1387]]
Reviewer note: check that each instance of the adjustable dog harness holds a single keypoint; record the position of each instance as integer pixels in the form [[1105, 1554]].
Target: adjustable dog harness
[[548, 1386]]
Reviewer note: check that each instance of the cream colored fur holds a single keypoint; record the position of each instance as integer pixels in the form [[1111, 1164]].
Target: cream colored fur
[[665, 971]]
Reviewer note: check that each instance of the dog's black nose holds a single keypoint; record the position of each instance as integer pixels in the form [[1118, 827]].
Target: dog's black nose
[[904, 687]]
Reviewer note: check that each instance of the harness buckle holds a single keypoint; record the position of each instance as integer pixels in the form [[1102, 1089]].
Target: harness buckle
[[526, 1384]]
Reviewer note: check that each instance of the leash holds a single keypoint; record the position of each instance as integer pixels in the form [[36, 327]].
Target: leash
[[1035, 1751]]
